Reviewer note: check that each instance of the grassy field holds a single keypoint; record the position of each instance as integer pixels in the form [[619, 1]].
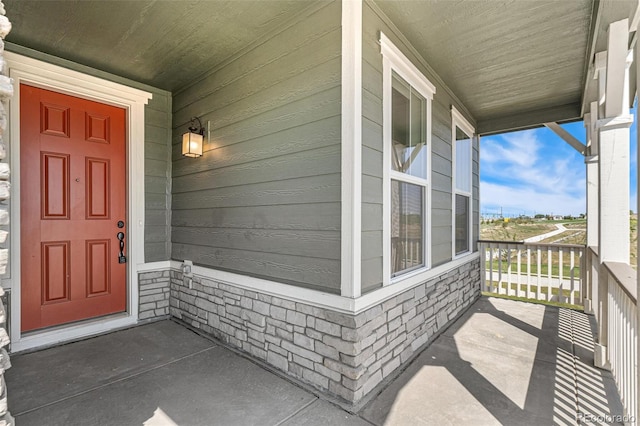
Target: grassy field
[[518, 230], [514, 230]]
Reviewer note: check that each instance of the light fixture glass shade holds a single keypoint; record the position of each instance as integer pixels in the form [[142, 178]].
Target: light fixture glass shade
[[192, 144]]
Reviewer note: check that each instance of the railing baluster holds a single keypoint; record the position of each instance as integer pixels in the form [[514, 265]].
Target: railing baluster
[[508, 250], [572, 264], [490, 267], [539, 275], [561, 297], [499, 270], [528, 272], [549, 268], [519, 267]]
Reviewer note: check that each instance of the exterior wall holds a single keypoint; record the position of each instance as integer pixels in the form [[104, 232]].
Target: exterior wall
[[342, 354], [264, 199], [153, 288], [157, 165], [372, 153]]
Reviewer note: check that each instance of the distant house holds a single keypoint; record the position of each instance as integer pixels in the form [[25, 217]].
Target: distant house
[[329, 228]]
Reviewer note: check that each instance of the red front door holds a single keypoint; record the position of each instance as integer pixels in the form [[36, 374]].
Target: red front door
[[72, 196]]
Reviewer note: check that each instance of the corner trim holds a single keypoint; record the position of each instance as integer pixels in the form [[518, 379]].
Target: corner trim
[[351, 169]]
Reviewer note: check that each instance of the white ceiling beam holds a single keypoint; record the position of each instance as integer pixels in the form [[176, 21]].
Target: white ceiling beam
[[567, 137]]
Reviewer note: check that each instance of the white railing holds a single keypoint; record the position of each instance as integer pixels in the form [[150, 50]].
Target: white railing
[[549, 272], [620, 331]]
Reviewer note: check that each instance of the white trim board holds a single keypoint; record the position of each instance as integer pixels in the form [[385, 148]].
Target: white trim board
[[458, 120], [394, 61], [351, 162], [322, 299], [53, 77]]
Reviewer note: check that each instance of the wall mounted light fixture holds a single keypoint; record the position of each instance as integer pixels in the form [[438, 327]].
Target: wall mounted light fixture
[[192, 140]]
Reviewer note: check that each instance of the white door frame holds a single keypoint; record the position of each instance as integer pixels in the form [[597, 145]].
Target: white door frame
[[47, 76]]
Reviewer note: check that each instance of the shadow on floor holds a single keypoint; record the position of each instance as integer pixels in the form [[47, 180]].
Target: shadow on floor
[[503, 362]]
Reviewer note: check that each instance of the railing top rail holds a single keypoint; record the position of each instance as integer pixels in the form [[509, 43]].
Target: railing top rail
[[625, 276], [560, 245]]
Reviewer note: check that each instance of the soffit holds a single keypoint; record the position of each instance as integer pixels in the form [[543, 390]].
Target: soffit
[[166, 44], [503, 58]]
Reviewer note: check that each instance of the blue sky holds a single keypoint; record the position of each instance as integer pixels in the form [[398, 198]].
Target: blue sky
[[534, 171]]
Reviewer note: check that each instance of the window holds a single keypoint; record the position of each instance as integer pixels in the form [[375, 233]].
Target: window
[[462, 133], [407, 96]]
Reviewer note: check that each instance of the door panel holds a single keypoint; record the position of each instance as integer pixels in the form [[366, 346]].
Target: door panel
[[73, 193]]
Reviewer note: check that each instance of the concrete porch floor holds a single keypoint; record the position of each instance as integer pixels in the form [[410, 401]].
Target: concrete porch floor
[[502, 362]]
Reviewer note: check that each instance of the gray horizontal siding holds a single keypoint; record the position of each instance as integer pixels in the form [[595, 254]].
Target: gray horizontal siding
[[264, 199], [441, 214]]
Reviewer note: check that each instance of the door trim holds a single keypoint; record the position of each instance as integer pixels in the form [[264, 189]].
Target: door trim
[[41, 74]]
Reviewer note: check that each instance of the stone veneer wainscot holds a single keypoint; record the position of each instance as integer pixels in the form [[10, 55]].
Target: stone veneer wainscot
[[342, 354], [154, 294]]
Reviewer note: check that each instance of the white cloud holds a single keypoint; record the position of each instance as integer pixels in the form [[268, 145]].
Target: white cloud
[[520, 172], [529, 200]]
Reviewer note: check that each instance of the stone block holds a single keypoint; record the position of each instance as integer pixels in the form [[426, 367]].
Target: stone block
[[277, 361], [420, 292], [390, 366], [327, 327], [256, 335], [392, 325], [394, 313], [206, 305], [246, 302], [354, 373], [303, 341], [326, 351], [146, 315], [241, 335], [261, 307], [313, 334], [303, 361], [389, 304], [288, 304], [410, 314], [315, 378], [305, 353], [284, 334], [296, 318], [372, 382], [344, 393], [348, 348], [345, 320], [147, 306], [277, 349], [254, 317], [355, 361], [231, 289], [278, 313], [332, 375]]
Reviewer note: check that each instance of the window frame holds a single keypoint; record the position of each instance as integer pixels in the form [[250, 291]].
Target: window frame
[[459, 121], [394, 61]]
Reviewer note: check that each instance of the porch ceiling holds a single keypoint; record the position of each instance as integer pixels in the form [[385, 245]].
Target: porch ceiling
[[513, 63], [166, 44], [510, 62]]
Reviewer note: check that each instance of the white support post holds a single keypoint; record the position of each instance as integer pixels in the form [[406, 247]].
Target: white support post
[[613, 153], [591, 164], [351, 238]]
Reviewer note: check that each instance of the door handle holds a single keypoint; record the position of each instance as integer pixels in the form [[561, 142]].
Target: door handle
[[121, 257]]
